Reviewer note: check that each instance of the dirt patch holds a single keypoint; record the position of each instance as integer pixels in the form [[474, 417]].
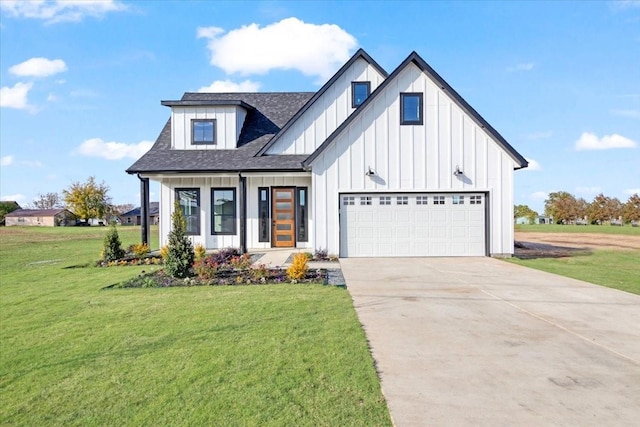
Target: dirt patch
[[558, 245]]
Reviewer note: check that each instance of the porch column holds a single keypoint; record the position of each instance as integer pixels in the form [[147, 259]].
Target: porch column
[[243, 213], [144, 209]]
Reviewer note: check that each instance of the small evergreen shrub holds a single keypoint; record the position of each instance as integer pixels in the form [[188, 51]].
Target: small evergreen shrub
[[298, 269], [200, 251], [112, 248], [180, 254]]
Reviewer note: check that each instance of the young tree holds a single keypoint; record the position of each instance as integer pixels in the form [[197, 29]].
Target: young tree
[[180, 254], [524, 211], [89, 199], [47, 201], [631, 209]]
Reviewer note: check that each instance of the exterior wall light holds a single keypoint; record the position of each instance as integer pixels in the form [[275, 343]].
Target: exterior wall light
[[458, 172], [369, 172]]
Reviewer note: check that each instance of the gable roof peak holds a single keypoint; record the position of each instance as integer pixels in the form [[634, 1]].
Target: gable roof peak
[[360, 53]]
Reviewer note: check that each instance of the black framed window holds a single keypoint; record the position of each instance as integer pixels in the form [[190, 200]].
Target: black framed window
[[411, 107], [203, 131], [264, 216], [359, 93], [223, 211], [302, 214], [189, 201]]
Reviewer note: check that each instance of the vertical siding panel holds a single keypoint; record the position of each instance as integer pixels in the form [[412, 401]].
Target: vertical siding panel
[[455, 142]]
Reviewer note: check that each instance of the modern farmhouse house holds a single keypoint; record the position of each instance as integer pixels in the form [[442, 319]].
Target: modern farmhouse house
[[371, 165]]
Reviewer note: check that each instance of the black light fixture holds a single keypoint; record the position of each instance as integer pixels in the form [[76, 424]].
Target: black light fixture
[[369, 172], [458, 172]]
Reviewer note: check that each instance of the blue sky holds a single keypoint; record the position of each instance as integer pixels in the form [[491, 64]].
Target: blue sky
[[82, 81]]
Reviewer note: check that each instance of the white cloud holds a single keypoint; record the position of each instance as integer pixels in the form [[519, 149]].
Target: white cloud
[[631, 191], [524, 66], [539, 195], [52, 97], [16, 96], [13, 198], [626, 4], [96, 147], [590, 141], [589, 190], [291, 44], [219, 86], [533, 165], [61, 10], [6, 161], [632, 114], [38, 67]]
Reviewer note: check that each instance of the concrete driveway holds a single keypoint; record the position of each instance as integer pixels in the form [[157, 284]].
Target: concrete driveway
[[479, 341]]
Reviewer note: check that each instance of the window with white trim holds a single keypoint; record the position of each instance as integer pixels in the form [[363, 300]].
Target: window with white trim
[[365, 200], [402, 200], [385, 200], [422, 200], [438, 200], [475, 200]]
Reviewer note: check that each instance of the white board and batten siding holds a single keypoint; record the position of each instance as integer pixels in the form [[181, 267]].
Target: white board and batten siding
[[229, 121], [168, 188], [413, 158], [327, 113]]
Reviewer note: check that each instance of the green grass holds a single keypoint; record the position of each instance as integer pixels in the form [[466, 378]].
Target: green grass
[[558, 228], [73, 354], [614, 269]]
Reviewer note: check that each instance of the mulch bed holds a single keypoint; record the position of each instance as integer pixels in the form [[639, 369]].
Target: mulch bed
[[528, 250]]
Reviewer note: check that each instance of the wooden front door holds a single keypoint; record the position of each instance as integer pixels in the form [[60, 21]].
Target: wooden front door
[[284, 218]]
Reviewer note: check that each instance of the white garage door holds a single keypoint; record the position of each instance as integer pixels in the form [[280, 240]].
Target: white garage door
[[411, 224]]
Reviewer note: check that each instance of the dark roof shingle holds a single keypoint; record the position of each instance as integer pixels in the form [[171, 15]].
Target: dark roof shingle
[[271, 111]]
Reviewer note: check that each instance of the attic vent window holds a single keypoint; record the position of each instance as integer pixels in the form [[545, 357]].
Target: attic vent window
[[203, 131], [359, 93], [411, 106]]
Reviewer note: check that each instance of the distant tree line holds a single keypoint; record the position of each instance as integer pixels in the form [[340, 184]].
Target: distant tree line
[[565, 208], [86, 200]]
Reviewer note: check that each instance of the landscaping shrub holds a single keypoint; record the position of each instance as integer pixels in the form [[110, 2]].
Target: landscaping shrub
[[200, 251], [180, 254], [320, 255], [298, 269], [112, 247], [139, 250]]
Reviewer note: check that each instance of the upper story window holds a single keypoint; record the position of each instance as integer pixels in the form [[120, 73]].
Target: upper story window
[[411, 107], [359, 93], [203, 131]]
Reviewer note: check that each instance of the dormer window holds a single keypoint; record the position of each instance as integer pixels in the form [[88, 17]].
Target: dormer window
[[359, 93], [203, 131]]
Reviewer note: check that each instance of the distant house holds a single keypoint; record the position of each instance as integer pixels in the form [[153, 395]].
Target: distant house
[[523, 220], [541, 219], [41, 217], [133, 217]]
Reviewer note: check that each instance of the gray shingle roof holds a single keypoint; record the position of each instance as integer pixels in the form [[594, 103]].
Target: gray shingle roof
[[271, 112], [154, 209]]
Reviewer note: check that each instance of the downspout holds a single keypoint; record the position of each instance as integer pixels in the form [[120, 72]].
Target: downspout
[[243, 212], [144, 209]]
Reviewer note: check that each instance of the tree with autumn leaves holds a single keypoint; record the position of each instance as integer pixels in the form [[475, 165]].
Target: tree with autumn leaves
[[88, 199]]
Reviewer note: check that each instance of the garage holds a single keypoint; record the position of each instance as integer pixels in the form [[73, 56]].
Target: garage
[[412, 224]]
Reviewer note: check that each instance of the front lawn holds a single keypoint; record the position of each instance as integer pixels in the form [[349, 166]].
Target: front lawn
[[73, 354], [619, 269]]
